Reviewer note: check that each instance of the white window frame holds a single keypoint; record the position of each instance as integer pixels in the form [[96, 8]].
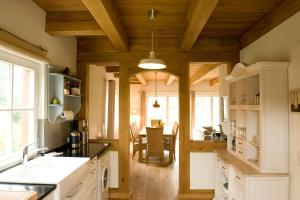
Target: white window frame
[[161, 94], [207, 94], [17, 60]]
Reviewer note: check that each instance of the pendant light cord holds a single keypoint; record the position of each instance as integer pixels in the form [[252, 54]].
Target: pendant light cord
[[152, 34], [156, 85]]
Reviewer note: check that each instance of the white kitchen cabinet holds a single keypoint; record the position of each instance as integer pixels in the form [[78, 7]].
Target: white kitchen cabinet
[[248, 184], [201, 170], [114, 169], [258, 108]]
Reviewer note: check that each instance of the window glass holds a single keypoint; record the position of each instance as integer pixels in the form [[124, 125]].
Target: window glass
[[5, 85], [23, 83], [207, 111], [168, 111], [17, 111], [173, 110]]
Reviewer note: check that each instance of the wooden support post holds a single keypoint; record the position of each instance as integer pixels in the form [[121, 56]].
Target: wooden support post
[[124, 121], [184, 129]]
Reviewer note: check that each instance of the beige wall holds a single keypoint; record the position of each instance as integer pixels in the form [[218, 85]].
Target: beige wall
[[283, 44], [26, 20]]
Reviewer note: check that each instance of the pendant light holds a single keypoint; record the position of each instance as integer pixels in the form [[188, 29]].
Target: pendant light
[[152, 62], [156, 105]]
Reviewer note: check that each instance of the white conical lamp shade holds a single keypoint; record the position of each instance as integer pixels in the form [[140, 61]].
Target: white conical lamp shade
[[152, 62]]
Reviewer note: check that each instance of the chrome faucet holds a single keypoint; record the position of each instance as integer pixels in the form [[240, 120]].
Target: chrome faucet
[[25, 152]]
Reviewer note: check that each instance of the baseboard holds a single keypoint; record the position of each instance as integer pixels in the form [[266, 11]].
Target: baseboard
[[115, 194], [197, 194]]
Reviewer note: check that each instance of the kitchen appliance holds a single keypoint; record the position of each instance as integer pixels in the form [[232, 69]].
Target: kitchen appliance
[[74, 139], [103, 176], [82, 126]]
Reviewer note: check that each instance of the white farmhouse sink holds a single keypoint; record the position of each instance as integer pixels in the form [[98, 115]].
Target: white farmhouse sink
[[43, 170]]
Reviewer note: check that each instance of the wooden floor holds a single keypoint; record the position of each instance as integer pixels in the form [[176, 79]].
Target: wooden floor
[[154, 182]]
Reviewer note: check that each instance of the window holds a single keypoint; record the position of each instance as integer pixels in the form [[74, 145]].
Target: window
[[168, 111], [207, 111], [17, 108]]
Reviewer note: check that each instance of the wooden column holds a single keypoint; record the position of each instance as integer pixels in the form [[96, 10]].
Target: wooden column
[[124, 121], [111, 109], [184, 129], [83, 74], [193, 109]]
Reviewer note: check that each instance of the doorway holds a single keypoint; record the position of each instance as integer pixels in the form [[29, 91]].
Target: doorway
[[148, 176]]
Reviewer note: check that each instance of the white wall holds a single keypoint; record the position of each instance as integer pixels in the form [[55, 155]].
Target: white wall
[[97, 94], [26, 20], [283, 44]]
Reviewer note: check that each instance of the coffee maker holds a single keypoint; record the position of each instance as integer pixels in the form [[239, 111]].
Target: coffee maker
[[82, 126]]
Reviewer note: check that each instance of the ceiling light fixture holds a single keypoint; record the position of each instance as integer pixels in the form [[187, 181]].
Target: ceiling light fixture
[[156, 104], [152, 62]]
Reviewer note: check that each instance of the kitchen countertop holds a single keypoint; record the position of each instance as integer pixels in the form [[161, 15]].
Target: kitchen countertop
[[88, 150], [241, 166], [41, 190], [18, 195]]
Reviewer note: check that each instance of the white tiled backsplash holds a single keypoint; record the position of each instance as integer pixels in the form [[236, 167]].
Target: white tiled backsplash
[[53, 135]]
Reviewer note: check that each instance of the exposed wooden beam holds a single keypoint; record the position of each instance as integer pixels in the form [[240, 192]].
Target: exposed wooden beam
[[113, 69], [72, 24], [107, 17], [205, 50], [198, 76], [170, 80], [198, 14], [278, 15], [141, 79], [214, 81]]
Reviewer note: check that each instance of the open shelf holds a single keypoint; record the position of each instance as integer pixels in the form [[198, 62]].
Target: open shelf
[[56, 105], [59, 85]]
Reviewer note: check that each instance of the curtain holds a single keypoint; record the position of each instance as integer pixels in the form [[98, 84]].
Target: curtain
[[143, 109]]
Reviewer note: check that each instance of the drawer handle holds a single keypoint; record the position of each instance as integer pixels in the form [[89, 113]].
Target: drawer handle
[[238, 177], [240, 152], [240, 143], [93, 172], [223, 167], [74, 191]]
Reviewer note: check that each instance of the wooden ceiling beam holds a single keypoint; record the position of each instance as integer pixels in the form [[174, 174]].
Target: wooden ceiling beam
[[278, 15], [112, 69], [72, 23], [198, 14], [199, 75], [107, 17], [170, 80], [214, 81], [141, 79]]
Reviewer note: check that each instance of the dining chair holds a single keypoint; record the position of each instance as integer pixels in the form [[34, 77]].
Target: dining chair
[[155, 144], [134, 135], [167, 142]]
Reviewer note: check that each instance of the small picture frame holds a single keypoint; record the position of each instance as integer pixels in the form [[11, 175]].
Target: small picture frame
[[295, 100]]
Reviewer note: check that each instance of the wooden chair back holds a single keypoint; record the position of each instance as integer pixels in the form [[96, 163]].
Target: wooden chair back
[[175, 131], [155, 145], [155, 122], [134, 131]]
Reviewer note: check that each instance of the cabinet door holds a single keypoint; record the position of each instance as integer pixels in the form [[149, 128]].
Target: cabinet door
[[238, 186]]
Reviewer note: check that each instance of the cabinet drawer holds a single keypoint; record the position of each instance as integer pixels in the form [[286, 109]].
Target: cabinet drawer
[[241, 144], [240, 152], [238, 177], [93, 163]]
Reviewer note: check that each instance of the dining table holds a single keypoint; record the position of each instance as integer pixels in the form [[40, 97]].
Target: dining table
[[167, 135]]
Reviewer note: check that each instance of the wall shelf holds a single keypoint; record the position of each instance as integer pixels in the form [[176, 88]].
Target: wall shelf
[[58, 85], [261, 110]]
